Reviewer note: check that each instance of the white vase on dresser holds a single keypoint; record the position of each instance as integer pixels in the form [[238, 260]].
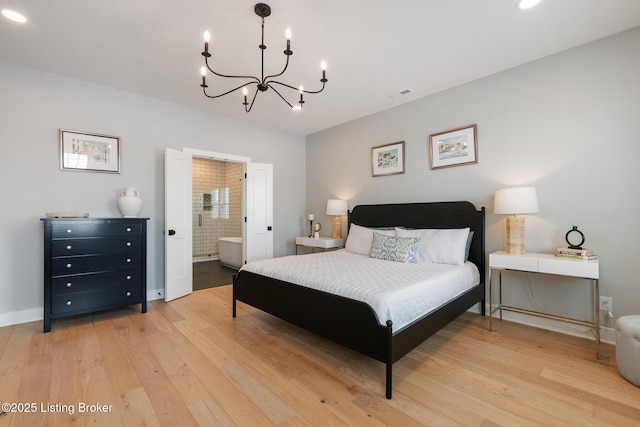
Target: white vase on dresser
[[130, 203]]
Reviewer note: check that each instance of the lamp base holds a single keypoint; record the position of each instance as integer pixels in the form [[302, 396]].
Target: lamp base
[[336, 228], [515, 235]]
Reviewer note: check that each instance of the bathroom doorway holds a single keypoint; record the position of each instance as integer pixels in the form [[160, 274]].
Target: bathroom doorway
[[256, 215], [217, 205]]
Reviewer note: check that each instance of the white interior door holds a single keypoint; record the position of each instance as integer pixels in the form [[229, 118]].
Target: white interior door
[[259, 212], [178, 274]]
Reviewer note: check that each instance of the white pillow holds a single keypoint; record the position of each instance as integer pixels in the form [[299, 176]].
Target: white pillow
[[442, 246], [360, 239]]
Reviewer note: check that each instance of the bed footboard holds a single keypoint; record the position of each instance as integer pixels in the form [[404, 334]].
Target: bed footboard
[[346, 321]]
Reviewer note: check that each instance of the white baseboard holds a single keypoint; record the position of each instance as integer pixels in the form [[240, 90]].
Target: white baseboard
[[607, 335], [22, 316], [153, 294], [35, 314]]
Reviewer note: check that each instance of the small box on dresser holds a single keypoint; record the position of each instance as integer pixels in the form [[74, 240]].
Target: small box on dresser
[[93, 264]]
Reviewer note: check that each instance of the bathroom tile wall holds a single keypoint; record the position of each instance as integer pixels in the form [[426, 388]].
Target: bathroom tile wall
[[217, 204]]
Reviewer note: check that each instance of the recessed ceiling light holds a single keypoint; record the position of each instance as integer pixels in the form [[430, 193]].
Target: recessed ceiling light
[[526, 4], [14, 16]]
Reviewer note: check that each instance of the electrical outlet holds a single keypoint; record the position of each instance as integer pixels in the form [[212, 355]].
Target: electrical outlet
[[606, 303]]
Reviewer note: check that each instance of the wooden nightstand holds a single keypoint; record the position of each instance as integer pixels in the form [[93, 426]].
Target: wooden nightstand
[[546, 264], [325, 243]]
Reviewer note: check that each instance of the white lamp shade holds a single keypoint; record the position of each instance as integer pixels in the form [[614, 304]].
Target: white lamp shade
[[513, 201], [337, 207]]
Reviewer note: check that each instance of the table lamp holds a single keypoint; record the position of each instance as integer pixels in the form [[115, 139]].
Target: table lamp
[[337, 209], [515, 201]]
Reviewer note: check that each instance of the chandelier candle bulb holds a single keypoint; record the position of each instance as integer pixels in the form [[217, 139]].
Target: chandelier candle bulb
[[323, 66], [207, 37], [244, 93], [203, 71]]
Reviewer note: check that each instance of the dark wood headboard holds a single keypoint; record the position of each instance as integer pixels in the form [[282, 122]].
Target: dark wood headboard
[[428, 215]]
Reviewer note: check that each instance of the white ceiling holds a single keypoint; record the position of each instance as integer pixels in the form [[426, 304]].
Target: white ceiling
[[373, 48]]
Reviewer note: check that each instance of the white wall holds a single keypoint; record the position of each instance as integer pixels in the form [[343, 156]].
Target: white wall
[[34, 105], [567, 124]]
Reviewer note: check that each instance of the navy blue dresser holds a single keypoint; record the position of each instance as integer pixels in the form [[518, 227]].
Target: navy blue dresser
[[93, 264]]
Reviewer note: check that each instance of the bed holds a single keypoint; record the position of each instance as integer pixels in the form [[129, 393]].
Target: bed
[[354, 322]]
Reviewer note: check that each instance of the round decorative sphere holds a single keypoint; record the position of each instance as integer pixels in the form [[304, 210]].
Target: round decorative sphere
[[317, 226]]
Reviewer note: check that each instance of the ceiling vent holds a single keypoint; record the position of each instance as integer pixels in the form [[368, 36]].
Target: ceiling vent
[[401, 93]]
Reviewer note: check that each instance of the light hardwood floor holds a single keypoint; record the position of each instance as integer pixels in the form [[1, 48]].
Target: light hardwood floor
[[189, 362]]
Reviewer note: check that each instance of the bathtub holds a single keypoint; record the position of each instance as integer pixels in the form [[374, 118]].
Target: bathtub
[[230, 251]]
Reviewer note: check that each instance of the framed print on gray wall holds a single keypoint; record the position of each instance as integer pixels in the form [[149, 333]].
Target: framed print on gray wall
[[82, 151], [387, 159], [454, 147]]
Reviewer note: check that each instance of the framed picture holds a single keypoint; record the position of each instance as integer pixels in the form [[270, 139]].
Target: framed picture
[[81, 151], [454, 147], [387, 159]]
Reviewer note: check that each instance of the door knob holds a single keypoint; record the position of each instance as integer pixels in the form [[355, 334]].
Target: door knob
[[172, 232]]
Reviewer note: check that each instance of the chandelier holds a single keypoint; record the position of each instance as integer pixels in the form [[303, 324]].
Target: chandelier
[[263, 83]]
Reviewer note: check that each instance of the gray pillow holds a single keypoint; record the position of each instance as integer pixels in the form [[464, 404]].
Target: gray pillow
[[390, 248]]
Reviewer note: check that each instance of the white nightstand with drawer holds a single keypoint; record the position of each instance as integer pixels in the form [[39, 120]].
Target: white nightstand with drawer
[[546, 264], [325, 243]]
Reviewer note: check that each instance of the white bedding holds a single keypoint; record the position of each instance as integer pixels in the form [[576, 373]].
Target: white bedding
[[396, 291]]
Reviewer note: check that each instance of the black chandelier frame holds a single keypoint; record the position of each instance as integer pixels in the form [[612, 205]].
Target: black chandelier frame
[[265, 82]]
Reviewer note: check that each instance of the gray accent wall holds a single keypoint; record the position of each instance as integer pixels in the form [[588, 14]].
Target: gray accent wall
[[35, 104], [567, 124]]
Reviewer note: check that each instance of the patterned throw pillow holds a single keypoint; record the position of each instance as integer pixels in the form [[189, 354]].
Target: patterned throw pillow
[[390, 248]]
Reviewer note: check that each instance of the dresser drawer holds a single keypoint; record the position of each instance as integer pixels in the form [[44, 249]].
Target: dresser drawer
[[93, 281], [74, 229], [63, 266], [96, 245], [85, 302]]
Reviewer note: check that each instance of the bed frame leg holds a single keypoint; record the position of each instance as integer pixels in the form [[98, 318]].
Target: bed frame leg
[[233, 303], [389, 362], [389, 379]]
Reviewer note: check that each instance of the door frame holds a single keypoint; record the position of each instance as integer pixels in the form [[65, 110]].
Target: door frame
[[224, 157]]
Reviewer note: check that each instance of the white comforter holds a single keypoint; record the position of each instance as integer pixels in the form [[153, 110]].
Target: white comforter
[[396, 291]]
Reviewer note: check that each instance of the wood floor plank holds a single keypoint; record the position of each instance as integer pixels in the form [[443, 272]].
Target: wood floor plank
[[124, 376], [189, 362], [169, 407], [35, 381], [136, 409], [13, 361]]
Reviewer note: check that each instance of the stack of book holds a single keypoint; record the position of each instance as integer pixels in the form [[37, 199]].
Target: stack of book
[[585, 254]]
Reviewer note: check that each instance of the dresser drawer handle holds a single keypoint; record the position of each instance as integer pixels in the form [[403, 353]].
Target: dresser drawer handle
[[128, 243], [68, 247], [68, 284], [128, 229], [68, 302], [68, 265], [128, 259], [68, 231], [128, 277], [128, 293]]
